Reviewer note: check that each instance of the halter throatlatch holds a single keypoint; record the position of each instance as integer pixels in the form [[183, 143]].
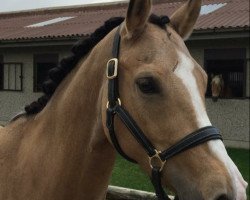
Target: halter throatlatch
[[157, 159]]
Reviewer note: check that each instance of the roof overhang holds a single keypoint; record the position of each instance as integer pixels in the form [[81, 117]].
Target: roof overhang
[[211, 34], [39, 42], [220, 34]]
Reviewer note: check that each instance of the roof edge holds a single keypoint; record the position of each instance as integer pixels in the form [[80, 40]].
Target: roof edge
[[77, 37]]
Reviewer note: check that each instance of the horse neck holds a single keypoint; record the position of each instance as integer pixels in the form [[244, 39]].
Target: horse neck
[[72, 119]]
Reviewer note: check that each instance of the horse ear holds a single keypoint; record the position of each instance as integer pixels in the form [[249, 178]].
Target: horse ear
[[184, 19], [137, 16]]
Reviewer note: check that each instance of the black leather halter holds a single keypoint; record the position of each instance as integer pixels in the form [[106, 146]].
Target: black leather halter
[[157, 159]]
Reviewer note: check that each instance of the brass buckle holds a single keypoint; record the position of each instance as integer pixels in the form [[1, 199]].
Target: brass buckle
[[119, 102], [114, 75], [156, 161]]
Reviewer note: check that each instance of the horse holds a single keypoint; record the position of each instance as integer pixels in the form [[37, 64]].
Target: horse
[[62, 147], [219, 88]]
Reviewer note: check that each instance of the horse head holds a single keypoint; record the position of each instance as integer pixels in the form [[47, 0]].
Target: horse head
[[217, 85], [163, 88]]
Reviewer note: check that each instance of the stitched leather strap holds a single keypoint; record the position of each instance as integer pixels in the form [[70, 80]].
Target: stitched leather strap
[[194, 139]]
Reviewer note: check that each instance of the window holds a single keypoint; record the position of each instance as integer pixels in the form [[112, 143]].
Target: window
[[230, 65], [42, 64], [11, 76]]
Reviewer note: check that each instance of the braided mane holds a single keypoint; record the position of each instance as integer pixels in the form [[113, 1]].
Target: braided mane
[[78, 51]]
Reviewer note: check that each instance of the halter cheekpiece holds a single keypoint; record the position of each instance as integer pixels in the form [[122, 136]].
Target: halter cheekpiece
[[157, 159]]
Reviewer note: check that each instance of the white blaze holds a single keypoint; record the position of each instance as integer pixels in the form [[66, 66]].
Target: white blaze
[[216, 80], [185, 72]]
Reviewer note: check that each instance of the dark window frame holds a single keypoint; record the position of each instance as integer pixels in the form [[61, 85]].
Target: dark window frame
[[20, 76], [42, 59], [242, 55]]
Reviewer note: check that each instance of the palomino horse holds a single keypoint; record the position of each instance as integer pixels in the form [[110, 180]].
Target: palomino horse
[[61, 148], [218, 87]]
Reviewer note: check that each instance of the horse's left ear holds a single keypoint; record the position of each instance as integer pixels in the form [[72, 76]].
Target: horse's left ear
[[137, 16], [184, 19]]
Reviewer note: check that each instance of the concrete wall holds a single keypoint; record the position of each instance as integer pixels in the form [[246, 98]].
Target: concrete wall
[[13, 102], [231, 116]]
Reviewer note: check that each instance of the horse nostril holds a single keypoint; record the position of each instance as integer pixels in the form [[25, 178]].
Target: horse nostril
[[223, 197]]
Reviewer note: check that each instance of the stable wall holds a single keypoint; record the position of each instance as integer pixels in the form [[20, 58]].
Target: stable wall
[[12, 102], [231, 116]]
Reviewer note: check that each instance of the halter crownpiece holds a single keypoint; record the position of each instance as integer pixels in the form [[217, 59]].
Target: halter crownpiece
[[157, 159]]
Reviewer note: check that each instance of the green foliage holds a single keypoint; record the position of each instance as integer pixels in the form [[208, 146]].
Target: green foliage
[[129, 175]]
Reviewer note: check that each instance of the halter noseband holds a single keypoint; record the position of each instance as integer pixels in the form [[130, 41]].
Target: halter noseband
[[157, 159]]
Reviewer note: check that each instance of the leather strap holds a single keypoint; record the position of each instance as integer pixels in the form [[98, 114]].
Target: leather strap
[[110, 126], [194, 139], [156, 181], [135, 130], [116, 43], [113, 85]]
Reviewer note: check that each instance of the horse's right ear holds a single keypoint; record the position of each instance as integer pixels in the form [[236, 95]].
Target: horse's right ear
[[137, 16], [184, 19]]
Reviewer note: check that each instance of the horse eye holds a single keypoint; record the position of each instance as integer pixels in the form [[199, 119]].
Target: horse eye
[[148, 85]]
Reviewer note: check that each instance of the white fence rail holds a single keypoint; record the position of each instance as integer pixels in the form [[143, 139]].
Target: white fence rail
[[119, 193]]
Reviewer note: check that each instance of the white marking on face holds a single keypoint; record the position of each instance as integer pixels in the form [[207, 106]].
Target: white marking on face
[[185, 72], [216, 80], [218, 148]]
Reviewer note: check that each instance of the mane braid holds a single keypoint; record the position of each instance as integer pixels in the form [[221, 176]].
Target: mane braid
[[78, 51]]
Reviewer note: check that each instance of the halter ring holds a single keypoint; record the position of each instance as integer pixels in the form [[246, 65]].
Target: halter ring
[[115, 71], [155, 161], [118, 102]]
